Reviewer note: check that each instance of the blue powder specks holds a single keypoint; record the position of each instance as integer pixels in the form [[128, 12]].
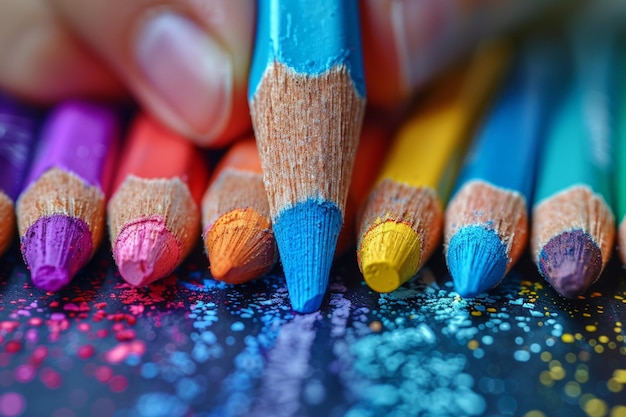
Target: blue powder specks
[[159, 404], [487, 340], [149, 370], [237, 326], [314, 392], [521, 355]]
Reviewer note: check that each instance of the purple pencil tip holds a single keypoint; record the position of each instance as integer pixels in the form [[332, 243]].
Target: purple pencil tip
[[55, 248], [571, 262]]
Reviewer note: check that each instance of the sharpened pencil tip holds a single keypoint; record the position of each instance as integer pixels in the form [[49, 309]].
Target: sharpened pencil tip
[[307, 235], [241, 246], [477, 260], [55, 248], [571, 262], [389, 255], [146, 251]]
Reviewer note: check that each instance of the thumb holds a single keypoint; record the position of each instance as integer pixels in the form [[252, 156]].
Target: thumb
[[185, 61]]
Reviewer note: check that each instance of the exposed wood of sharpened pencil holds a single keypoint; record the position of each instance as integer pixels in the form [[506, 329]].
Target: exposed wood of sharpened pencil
[[238, 235], [153, 216], [307, 98], [402, 220]]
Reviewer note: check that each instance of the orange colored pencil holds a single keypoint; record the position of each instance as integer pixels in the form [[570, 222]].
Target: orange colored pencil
[[373, 146], [153, 214], [238, 235]]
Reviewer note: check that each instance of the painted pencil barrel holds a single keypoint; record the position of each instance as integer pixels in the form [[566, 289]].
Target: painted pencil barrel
[[153, 215], [61, 212], [307, 99], [238, 235]]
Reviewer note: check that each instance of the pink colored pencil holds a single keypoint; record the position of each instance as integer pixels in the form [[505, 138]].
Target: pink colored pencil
[[154, 215]]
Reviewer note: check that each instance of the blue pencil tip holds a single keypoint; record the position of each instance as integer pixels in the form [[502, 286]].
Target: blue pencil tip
[[306, 235], [476, 259]]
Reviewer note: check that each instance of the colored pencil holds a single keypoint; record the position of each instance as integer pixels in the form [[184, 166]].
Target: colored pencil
[[619, 184], [18, 133], [153, 215], [402, 220], [60, 214], [573, 227], [307, 98], [486, 221], [370, 155], [238, 234]]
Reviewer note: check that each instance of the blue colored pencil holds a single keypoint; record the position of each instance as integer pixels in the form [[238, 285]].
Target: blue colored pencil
[[486, 222], [307, 98], [18, 134], [573, 227]]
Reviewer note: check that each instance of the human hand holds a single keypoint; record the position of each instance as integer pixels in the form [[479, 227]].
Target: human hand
[[187, 61]]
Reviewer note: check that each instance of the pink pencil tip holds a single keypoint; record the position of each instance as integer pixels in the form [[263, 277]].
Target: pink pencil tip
[[146, 251], [55, 248]]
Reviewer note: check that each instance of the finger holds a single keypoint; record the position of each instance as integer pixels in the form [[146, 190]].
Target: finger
[[186, 61], [406, 42], [42, 61]]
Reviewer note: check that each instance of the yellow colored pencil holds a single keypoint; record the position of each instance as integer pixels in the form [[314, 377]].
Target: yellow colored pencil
[[402, 221]]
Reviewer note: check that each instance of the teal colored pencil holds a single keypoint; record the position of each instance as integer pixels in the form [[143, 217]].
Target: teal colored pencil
[[620, 166], [573, 226], [486, 222], [307, 98]]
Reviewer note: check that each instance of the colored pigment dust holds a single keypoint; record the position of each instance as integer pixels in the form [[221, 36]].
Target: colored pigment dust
[[191, 346]]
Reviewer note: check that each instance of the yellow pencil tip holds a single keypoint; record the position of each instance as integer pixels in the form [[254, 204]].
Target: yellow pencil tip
[[389, 255]]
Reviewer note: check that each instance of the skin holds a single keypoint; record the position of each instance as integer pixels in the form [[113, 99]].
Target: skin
[[55, 49]]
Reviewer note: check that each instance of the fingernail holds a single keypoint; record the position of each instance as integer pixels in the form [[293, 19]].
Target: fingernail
[[422, 35], [188, 71]]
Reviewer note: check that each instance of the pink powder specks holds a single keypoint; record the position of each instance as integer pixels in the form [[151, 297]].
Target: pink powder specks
[[12, 404], [24, 373], [86, 351], [103, 373], [39, 354], [51, 378], [57, 316], [13, 346], [120, 352], [137, 309], [35, 321], [118, 383], [8, 326], [125, 335]]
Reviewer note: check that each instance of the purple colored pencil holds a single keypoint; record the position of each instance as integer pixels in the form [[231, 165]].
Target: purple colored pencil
[[18, 125], [60, 214]]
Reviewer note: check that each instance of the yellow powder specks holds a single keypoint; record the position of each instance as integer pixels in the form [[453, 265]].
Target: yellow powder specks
[[618, 411], [620, 375], [614, 385], [599, 349], [557, 372], [567, 338], [472, 344], [534, 413], [476, 313], [572, 389], [591, 328], [594, 407], [582, 374], [546, 379], [603, 339]]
